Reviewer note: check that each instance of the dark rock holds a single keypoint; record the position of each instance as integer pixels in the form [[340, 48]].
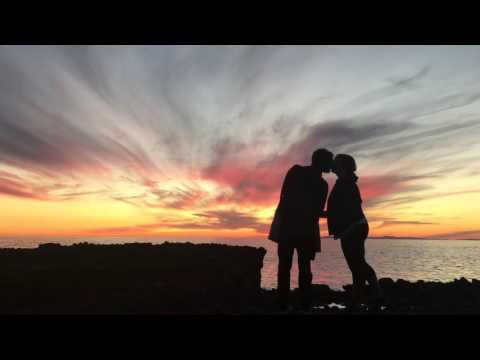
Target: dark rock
[[178, 278], [386, 282], [404, 283], [131, 278]]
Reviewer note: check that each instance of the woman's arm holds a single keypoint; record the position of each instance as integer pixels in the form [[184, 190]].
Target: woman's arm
[[345, 233], [349, 230]]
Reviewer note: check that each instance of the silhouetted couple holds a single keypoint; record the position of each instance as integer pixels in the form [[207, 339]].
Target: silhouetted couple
[[296, 225]]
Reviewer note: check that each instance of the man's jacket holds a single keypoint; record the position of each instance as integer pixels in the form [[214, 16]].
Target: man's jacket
[[302, 200]]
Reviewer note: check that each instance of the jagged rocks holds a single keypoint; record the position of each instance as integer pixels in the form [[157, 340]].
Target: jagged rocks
[[175, 278], [131, 278]]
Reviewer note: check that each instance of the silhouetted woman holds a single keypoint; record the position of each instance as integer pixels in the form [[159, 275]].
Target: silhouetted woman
[[347, 222]]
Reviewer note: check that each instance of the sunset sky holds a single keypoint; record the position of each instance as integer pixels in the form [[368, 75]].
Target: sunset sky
[[182, 141]]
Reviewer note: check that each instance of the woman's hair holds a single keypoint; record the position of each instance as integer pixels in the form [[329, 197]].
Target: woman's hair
[[346, 162]]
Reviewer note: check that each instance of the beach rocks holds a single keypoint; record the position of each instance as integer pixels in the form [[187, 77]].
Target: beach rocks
[[409, 298], [386, 282], [175, 278], [130, 278]]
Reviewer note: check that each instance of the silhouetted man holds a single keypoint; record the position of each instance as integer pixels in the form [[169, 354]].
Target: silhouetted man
[[295, 225]]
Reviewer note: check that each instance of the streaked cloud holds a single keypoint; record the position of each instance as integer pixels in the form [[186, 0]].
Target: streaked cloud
[[210, 131]]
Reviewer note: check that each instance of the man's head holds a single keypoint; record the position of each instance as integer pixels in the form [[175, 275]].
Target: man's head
[[322, 160]]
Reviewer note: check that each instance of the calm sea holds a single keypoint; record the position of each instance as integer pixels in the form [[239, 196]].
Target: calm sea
[[430, 260]]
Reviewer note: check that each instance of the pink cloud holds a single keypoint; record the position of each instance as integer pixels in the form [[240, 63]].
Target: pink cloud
[[19, 189]]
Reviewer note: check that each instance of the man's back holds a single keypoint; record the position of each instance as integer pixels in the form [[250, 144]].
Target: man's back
[[302, 199]]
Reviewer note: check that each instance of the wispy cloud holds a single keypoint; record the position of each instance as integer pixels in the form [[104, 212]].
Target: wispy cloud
[[388, 223], [19, 189], [164, 121], [208, 220]]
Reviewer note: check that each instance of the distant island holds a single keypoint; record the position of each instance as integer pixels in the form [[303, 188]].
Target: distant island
[[399, 237], [389, 237], [414, 238]]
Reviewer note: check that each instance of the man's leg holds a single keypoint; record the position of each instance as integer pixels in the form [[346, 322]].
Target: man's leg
[[285, 255], [305, 277]]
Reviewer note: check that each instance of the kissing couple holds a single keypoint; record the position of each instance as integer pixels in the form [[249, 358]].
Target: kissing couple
[[295, 226]]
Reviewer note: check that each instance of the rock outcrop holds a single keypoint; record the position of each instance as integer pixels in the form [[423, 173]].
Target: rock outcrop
[[179, 278], [130, 279]]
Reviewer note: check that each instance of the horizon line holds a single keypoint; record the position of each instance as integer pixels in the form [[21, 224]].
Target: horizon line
[[386, 237]]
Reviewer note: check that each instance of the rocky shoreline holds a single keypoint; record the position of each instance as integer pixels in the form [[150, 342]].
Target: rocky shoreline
[[460, 296], [170, 278], [187, 279]]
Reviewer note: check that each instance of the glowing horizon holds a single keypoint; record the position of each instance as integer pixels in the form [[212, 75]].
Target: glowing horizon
[[180, 141]]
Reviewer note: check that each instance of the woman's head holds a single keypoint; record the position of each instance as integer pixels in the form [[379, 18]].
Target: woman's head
[[344, 165]]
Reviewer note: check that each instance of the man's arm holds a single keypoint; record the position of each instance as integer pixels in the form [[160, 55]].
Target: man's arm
[[322, 198], [323, 214]]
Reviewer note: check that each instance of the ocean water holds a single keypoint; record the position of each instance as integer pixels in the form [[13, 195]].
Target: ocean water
[[430, 260]]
